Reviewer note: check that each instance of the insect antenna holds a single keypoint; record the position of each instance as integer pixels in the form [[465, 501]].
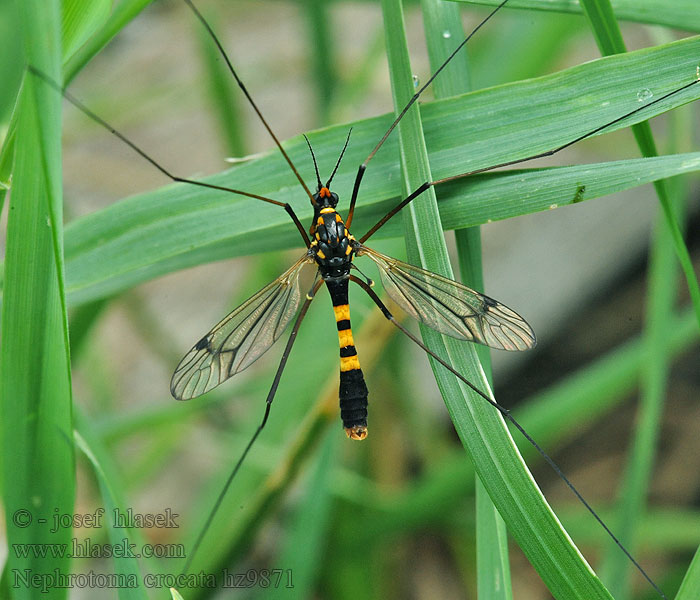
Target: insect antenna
[[220, 47], [423, 187], [268, 404], [313, 156], [337, 164]]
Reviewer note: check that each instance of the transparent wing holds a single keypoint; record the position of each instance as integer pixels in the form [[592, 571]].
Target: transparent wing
[[450, 307], [241, 338]]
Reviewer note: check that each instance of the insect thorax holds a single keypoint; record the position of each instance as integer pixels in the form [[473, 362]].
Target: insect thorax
[[331, 243]]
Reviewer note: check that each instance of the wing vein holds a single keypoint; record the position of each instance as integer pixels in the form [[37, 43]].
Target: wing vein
[[241, 337]]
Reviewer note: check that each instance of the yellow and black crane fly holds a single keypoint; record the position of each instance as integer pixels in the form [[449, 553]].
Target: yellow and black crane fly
[[252, 328]]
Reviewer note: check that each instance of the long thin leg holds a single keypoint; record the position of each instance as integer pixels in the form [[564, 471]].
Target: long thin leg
[[211, 33], [363, 166], [84, 109], [509, 163], [506, 415], [268, 404]]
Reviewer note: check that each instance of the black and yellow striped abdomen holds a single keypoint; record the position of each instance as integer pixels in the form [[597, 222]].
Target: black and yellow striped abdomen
[[353, 391]]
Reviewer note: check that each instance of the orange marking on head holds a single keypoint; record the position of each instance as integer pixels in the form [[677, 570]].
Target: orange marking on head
[[324, 192]]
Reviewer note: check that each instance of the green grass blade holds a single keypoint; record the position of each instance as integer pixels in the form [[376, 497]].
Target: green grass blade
[[11, 65], [100, 265], [321, 47], [609, 38], [6, 158], [601, 18], [661, 297], [222, 91], [302, 550], [175, 595], [126, 567], [690, 588], [480, 427], [443, 30], [123, 13], [11, 68], [634, 488], [80, 20], [492, 566], [563, 186], [682, 14], [176, 227], [35, 381]]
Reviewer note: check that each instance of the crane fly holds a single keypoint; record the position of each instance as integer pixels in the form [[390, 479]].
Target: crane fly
[[442, 304], [251, 329]]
